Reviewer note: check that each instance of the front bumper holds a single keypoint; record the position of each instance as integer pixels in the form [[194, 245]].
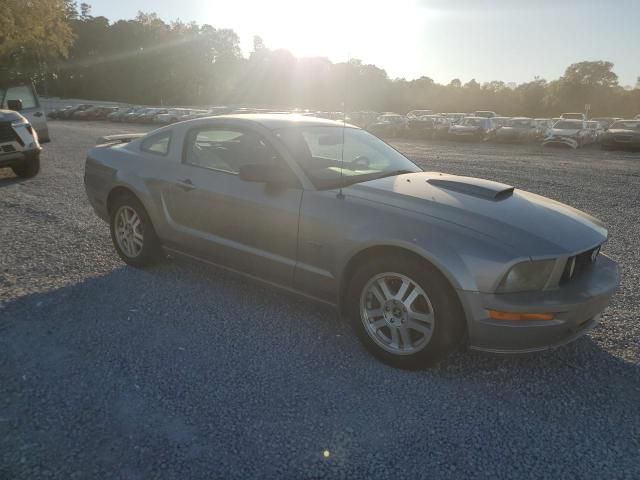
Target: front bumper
[[15, 158], [576, 308], [560, 140]]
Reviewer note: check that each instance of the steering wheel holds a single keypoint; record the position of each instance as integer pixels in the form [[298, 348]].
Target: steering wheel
[[361, 161]]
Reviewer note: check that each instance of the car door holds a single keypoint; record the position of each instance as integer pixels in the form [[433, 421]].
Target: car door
[[248, 226], [31, 107]]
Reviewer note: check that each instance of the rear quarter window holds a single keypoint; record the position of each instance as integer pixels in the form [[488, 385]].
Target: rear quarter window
[[157, 144]]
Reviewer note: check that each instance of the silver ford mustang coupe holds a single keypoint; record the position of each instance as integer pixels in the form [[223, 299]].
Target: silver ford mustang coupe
[[418, 262]]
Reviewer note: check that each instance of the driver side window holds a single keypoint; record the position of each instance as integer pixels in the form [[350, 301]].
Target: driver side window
[[227, 149]]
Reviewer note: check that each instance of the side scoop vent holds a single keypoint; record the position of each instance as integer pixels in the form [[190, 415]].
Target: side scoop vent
[[476, 187]]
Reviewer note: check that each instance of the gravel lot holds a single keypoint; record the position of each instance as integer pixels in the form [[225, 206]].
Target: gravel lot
[[184, 371]]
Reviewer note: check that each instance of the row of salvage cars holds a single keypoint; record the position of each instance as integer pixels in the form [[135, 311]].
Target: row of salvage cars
[[569, 130]]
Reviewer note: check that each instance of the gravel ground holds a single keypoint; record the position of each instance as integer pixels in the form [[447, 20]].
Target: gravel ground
[[184, 371]]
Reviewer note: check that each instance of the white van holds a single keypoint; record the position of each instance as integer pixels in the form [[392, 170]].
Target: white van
[[30, 108]]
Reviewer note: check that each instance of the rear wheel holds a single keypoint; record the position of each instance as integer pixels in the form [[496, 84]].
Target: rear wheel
[[404, 312], [29, 167], [133, 234]]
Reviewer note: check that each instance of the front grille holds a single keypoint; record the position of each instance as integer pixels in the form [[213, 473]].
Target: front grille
[[7, 149], [7, 133], [579, 264]]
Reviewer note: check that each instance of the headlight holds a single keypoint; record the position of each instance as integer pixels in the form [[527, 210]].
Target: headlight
[[527, 276]]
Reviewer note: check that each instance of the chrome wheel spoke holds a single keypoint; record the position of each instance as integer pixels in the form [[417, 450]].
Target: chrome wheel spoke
[[421, 317], [406, 337], [397, 313], [384, 288], [411, 298], [402, 291], [395, 337], [378, 324], [419, 327]]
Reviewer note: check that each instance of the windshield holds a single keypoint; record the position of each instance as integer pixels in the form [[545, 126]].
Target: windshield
[[568, 125], [626, 125], [520, 123], [318, 151], [472, 122]]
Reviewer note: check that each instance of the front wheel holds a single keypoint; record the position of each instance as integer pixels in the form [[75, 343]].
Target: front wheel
[[404, 312], [133, 234]]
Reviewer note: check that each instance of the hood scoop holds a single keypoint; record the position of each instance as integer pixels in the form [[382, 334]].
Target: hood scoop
[[476, 187]]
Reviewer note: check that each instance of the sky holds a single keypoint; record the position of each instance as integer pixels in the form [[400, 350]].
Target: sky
[[508, 40]]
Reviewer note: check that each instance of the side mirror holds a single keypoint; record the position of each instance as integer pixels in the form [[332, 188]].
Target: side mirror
[[15, 105], [269, 174]]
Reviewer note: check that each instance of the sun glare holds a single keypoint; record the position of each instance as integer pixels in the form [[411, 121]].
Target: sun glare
[[336, 29]]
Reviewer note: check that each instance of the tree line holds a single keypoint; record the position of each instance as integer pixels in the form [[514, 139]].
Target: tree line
[[65, 51]]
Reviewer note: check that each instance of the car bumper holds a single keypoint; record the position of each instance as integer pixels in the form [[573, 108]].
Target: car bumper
[[555, 141], [10, 159], [622, 145], [576, 308]]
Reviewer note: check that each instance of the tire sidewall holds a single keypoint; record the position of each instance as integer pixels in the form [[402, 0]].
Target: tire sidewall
[[448, 330]]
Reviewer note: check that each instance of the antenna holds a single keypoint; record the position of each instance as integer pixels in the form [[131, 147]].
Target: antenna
[[344, 123]]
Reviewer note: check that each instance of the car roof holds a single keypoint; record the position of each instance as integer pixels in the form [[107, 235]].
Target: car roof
[[274, 121]]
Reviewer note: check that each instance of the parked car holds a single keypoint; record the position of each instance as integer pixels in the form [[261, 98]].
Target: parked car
[[149, 115], [53, 114], [173, 115], [441, 126], [606, 121], [25, 98], [389, 125], [19, 145], [119, 114], [421, 127], [133, 115], [595, 131], [418, 262], [473, 128], [500, 122], [623, 134], [419, 113], [543, 125], [573, 116], [67, 114], [518, 129], [454, 118], [362, 119], [97, 112], [484, 113], [571, 133]]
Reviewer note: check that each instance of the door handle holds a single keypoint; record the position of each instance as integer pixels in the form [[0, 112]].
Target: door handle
[[37, 114], [186, 184]]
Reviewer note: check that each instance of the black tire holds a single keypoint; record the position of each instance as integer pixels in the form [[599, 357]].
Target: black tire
[[449, 320], [29, 167], [151, 252]]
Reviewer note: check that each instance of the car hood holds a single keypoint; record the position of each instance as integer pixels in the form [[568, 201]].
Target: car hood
[[563, 132], [465, 128], [504, 130], [10, 116], [618, 131], [530, 224]]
